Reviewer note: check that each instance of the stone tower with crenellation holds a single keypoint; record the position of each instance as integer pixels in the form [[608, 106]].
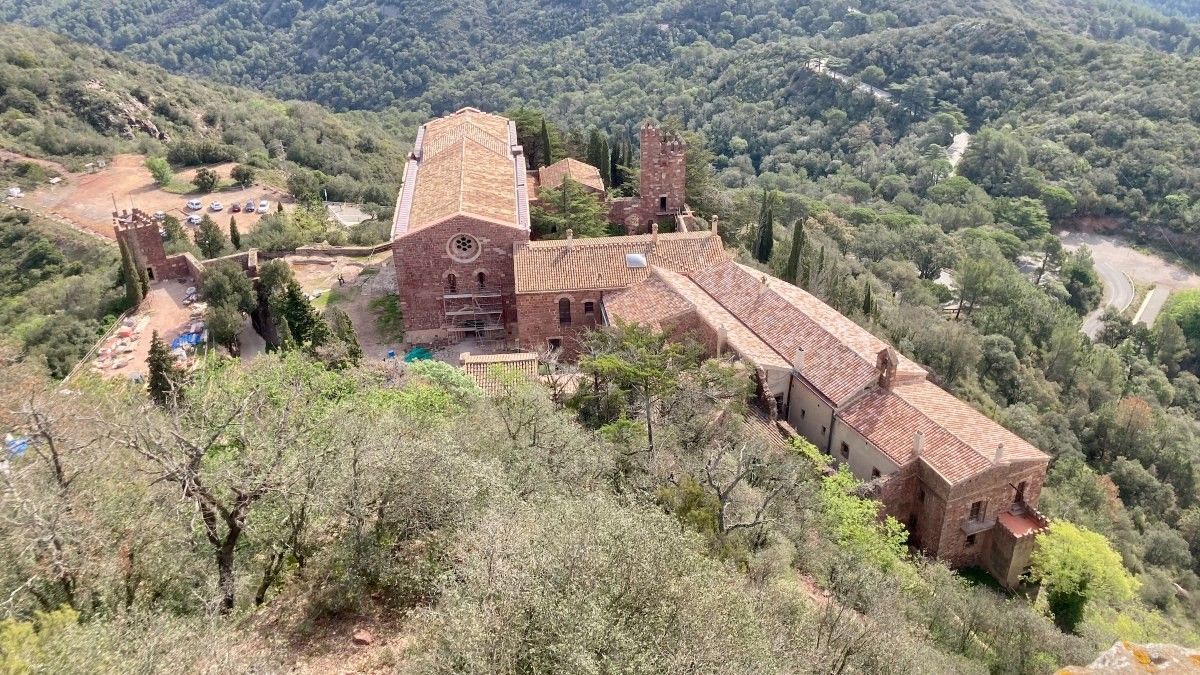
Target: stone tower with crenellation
[[663, 176]]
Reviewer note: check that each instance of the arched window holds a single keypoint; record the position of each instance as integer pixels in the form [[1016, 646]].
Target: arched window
[[451, 283], [481, 278], [564, 311]]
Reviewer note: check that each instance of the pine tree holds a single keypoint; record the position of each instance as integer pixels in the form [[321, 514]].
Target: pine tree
[[235, 237], [766, 229], [209, 238], [547, 157], [792, 270], [163, 375], [129, 277]]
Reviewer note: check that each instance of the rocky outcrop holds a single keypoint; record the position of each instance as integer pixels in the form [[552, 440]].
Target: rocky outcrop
[[1127, 657]]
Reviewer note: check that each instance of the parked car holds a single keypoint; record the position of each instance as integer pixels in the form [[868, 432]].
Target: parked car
[[235, 207], [160, 215], [194, 205], [216, 206], [249, 206], [194, 219], [263, 206]]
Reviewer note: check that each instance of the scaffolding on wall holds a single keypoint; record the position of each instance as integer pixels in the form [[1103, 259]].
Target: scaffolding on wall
[[476, 312]]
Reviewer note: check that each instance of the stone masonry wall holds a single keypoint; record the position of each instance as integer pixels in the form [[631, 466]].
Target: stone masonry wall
[[139, 232], [423, 262], [537, 316], [996, 489]]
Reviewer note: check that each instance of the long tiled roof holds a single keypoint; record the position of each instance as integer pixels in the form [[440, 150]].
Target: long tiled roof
[[585, 174], [601, 263], [466, 163], [839, 355], [959, 441], [666, 294]]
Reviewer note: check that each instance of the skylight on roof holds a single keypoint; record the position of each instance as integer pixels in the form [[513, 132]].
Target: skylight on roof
[[635, 260]]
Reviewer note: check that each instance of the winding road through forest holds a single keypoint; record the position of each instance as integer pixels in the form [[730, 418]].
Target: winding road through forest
[[1120, 267]]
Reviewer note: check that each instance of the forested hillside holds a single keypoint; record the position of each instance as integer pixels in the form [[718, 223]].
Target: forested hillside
[[1099, 97], [76, 104], [1183, 8]]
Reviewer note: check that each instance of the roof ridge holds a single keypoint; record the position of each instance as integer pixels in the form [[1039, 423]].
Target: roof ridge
[[961, 402], [825, 329]]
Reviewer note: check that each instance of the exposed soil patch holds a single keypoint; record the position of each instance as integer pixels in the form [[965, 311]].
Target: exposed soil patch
[[88, 199]]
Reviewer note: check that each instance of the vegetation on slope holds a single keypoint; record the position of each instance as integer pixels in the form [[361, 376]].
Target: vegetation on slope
[[59, 290], [77, 104]]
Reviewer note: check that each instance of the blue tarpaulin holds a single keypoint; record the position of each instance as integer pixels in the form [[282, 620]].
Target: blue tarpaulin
[[418, 354], [192, 339], [16, 446]]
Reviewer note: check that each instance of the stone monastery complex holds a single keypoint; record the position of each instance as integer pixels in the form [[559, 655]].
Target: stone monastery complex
[[966, 488]]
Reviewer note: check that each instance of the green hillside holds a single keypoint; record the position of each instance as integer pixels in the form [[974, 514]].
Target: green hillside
[[76, 103], [1099, 95]]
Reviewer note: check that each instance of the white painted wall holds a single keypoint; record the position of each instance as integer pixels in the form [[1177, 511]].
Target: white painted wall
[[863, 455], [809, 414]]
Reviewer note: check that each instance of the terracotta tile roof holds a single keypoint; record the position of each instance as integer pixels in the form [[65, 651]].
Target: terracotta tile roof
[[600, 263], [649, 303], [959, 441], [482, 368], [463, 164], [839, 355], [552, 176]]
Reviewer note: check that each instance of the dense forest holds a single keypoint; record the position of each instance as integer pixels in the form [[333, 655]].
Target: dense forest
[[1101, 97]]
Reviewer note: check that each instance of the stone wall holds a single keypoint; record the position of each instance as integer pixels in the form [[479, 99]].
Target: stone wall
[[662, 180], [538, 320], [423, 264], [140, 234], [995, 488]]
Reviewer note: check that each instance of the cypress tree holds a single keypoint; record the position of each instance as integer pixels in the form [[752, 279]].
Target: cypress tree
[[766, 229], [603, 156], [595, 148], [235, 237], [792, 269], [614, 164], [129, 278], [868, 304], [161, 382], [547, 155]]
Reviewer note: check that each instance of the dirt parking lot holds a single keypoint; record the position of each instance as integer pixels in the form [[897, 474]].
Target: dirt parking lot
[[87, 199]]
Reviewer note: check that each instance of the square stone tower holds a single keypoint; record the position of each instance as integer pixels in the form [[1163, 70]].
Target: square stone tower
[[662, 181], [140, 234]]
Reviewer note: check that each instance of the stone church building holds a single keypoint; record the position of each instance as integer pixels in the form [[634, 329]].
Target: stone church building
[[966, 488]]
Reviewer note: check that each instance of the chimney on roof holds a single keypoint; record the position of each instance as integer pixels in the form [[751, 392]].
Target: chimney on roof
[[570, 240], [999, 454], [798, 360], [918, 443], [654, 232], [462, 358], [722, 335], [886, 365]]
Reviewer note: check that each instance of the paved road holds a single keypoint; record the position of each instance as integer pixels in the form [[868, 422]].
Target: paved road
[[1152, 305], [1118, 262], [1118, 293]]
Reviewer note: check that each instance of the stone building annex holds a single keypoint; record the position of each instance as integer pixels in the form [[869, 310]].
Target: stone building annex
[[966, 488]]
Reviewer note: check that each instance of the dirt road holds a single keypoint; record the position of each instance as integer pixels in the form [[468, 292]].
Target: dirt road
[[1120, 265]]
